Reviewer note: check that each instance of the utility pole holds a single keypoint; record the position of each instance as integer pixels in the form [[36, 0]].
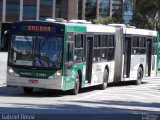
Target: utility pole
[[97, 8], [122, 11], [110, 10], [83, 9]]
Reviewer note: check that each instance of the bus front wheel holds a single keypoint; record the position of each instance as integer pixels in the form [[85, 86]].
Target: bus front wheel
[[75, 91], [27, 90], [103, 86], [139, 76]]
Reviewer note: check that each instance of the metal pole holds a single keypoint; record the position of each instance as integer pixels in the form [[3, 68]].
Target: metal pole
[[97, 9], [21, 10], [54, 9], [38, 9], [122, 11], [4, 11], [83, 9], [110, 11]]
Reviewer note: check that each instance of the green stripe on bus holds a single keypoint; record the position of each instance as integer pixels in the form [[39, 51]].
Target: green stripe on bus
[[29, 73]]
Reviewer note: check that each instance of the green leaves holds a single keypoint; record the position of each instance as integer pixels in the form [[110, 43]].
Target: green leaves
[[145, 12], [105, 21]]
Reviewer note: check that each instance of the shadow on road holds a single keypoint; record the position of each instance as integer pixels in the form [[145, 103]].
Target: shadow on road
[[124, 83], [9, 91], [89, 108]]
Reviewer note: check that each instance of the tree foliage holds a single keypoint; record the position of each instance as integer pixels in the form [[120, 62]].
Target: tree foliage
[[106, 20], [145, 12]]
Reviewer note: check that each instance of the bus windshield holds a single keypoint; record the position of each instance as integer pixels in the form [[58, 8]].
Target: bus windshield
[[36, 51]]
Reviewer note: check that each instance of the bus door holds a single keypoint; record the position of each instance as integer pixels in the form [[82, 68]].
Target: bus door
[[127, 56], [148, 56], [69, 53], [89, 58]]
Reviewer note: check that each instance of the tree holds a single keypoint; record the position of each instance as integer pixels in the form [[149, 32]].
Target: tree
[[106, 20], [145, 12]]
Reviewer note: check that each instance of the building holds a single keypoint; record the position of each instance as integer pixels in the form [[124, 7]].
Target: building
[[17, 10], [91, 9]]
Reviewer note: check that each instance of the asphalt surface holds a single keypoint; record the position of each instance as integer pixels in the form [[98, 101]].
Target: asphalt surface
[[119, 101]]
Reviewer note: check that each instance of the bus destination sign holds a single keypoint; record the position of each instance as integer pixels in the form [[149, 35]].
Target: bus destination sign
[[38, 28]]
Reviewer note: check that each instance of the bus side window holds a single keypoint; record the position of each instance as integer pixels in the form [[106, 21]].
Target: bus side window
[[78, 48], [97, 52], [154, 46], [142, 45], [104, 49], [69, 52], [111, 47], [135, 45], [5, 41]]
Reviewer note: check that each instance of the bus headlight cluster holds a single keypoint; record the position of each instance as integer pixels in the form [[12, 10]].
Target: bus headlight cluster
[[58, 74], [10, 71]]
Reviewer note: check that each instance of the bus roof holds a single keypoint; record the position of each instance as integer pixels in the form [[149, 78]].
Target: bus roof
[[71, 27], [100, 28], [135, 31]]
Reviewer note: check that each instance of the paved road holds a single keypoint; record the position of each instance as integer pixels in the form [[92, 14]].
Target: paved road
[[122, 98]]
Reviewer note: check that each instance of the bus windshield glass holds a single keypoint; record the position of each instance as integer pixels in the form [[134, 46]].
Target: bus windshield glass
[[37, 51]]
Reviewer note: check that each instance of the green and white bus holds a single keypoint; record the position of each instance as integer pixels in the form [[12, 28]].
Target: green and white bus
[[70, 56]]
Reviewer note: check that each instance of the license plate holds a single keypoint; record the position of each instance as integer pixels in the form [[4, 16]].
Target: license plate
[[33, 81]]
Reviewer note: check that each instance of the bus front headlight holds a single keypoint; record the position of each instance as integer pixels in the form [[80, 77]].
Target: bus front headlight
[[10, 71], [58, 74]]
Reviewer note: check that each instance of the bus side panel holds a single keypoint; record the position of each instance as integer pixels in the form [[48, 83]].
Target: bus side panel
[[136, 61], [69, 81], [111, 72], [98, 72], [157, 53], [97, 75], [154, 61], [3, 67], [154, 65]]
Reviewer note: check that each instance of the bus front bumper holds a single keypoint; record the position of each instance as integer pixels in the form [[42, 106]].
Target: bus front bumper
[[16, 81]]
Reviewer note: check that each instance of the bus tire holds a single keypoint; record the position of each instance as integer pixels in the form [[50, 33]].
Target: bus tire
[[139, 76], [103, 86], [75, 91], [27, 89]]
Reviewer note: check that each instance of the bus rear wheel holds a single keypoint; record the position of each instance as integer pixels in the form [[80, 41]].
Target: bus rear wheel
[[27, 89], [103, 86], [139, 76], [75, 91]]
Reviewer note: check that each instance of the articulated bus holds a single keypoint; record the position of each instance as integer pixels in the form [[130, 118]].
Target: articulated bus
[[70, 56]]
